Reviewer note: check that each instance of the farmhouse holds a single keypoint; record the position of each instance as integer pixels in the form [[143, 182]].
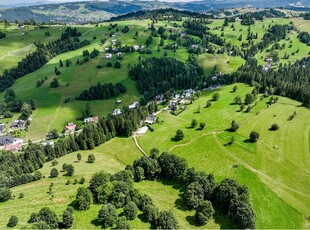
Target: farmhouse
[[91, 120], [116, 112], [18, 124], [151, 119], [134, 105], [70, 127]]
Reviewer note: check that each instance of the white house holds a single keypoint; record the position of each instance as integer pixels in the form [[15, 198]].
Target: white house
[[91, 120], [134, 105], [108, 56], [116, 112]]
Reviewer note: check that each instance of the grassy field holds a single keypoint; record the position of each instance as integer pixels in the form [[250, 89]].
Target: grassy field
[[277, 179], [269, 168], [53, 113], [20, 42], [111, 157]]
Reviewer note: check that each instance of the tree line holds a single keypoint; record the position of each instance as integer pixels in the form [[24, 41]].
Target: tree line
[[291, 80], [158, 75], [304, 37], [102, 91], [201, 190], [69, 41], [21, 168]]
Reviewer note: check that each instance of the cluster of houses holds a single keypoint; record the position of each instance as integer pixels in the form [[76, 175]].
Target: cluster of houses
[[10, 143], [71, 127], [15, 125], [268, 64]]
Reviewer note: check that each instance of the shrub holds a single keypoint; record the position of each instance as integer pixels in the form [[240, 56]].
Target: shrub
[[12, 221], [254, 136], [5, 194], [91, 158], [274, 127], [54, 173]]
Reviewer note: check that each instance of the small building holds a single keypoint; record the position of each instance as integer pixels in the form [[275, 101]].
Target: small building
[[116, 112], [2, 129], [134, 105], [118, 101], [151, 119], [108, 56], [18, 124], [119, 54], [91, 120], [159, 97], [13, 147], [142, 130], [50, 143], [70, 128], [136, 47], [114, 41], [195, 46]]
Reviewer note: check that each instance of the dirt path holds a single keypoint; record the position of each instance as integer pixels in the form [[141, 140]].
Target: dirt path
[[134, 137]]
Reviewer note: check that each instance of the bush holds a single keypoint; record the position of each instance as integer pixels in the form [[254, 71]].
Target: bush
[[107, 215], [131, 210], [254, 136], [234, 126], [204, 212], [82, 180], [54, 173], [216, 96], [83, 198], [179, 135], [274, 127], [54, 83], [70, 170], [12, 221], [91, 158], [5, 194]]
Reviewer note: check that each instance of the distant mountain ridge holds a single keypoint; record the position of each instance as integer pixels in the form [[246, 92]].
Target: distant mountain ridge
[[89, 11]]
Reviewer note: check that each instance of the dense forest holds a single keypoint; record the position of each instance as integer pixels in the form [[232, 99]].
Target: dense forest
[[102, 91], [291, 81], [69, 41], [304, 37], [158, 75]]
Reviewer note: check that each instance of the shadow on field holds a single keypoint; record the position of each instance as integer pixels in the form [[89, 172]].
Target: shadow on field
[[222, 219], [96, 222]]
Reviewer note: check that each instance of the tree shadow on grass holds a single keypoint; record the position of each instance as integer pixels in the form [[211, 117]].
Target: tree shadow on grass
[[175, 185], [96, 223], [179, 204], [192, 221], [74, 205], [222, 219], [142, 218], [248, 141]]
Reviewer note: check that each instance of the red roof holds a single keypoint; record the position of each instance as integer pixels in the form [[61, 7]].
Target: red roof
[[13, 147], [70, 127]]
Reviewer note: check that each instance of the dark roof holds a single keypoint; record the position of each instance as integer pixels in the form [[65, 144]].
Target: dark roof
[[2, 128], [6, 140]]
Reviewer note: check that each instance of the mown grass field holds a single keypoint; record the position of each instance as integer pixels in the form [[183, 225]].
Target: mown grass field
[[275, 168], [18, 43]]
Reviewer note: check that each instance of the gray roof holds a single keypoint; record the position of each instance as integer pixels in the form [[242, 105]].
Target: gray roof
[[6, 140], [2, 128]]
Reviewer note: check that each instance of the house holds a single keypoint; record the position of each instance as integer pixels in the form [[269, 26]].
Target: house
[[159, 97], [50, 143], [118, 101], [18, 124], [195, 46], [119, 54], [151, 119], [108, 56], [142, 130], [134, 105], [136, 47], [10, 143], [114, 41], [2, 129], [91, 120], [116, 112], [70, 127]]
